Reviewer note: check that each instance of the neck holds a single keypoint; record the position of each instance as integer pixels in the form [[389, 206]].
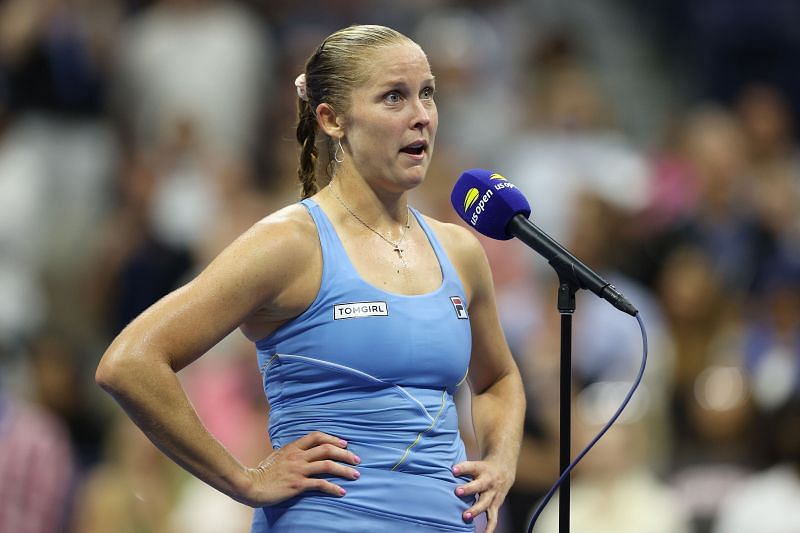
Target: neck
[[375, 206]]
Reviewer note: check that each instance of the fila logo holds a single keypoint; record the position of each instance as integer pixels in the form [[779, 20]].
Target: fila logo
[[360, 310], [461, 310]]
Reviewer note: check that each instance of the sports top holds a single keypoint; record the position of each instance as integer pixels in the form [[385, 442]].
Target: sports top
[[379, 370]]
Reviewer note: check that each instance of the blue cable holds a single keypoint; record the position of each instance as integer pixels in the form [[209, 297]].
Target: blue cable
[[602, 432]]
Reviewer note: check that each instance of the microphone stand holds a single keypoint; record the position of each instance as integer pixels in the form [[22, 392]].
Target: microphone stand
[[568, 286]]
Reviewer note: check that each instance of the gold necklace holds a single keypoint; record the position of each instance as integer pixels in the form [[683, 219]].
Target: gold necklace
[[395, 244]]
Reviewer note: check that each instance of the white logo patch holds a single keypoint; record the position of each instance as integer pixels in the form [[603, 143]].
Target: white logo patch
[[360, 310]]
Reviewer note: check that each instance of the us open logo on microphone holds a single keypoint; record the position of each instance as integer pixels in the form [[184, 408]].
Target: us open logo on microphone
[[461, 310], [474, 198]]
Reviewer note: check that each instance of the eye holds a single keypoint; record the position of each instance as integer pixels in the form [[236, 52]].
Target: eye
[[427, 93], [392, 97]]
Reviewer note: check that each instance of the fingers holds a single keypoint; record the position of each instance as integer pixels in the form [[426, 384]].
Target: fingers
[[485, 504], [321, 452], [300, 466], [316, 438], [333, 468], [487, 484], [475, 470], [329, 451], [481, 505], [323, 485], [475, 486], [491, 520], [468, 468]]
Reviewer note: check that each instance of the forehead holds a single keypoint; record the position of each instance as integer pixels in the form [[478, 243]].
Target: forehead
[[397, 62]]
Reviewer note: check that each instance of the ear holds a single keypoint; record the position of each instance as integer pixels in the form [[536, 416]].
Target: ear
[[329, 121]]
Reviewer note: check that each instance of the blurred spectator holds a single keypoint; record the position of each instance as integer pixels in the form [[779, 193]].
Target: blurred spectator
[[772, 335], [673, 197], [569, 144], [134, 489], [615, 489], [715, 445], [59, 377], [473, 93], [711, 407], [698, 309], [192, 77], [137, 487], [774, 167], [204, 63], [722, 221], [181, 203], [767, 121], [608, 343], [726, 44], [767, 501], [226, 389], [22, 189], [725, 185], [54, 55], [134, 267], [56, 150], [616, 48], [36, 469]]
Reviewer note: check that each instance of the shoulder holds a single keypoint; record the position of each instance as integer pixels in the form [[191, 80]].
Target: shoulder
[[293, 221], [289, 233], [464, 251], [272, 253], [459, 242]]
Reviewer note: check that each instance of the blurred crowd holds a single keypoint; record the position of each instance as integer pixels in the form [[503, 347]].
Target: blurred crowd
[[657, 142]]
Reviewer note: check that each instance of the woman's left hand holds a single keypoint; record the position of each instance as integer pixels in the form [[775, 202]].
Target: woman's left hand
[[491, 482]]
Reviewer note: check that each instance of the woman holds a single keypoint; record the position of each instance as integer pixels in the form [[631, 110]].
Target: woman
[[366, 317]]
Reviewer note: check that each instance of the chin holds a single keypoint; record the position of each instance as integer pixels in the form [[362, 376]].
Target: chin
[[415, 179]]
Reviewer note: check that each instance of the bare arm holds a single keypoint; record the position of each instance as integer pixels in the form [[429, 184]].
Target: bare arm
[[498, 404], [272, 266]]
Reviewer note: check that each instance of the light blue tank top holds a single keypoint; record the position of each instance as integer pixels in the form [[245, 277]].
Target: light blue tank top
[[379, 370]]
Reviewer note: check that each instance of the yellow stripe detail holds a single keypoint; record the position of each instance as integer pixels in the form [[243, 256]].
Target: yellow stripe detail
[[463, 379], [419, 435], [268, 363]]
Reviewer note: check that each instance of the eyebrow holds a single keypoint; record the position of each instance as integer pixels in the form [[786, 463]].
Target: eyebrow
[[395, 83]]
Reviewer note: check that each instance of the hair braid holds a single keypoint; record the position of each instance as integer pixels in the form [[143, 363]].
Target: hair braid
[[306, 137]]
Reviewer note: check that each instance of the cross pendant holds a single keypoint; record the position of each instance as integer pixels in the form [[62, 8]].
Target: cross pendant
[[400, 253]]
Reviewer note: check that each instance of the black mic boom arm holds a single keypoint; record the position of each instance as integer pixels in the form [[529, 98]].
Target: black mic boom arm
[[566, 264]]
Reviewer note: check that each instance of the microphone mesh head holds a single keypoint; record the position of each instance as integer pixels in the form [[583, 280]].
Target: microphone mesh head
[[487, 201]]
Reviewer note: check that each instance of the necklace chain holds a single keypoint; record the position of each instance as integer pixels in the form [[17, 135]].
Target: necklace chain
[[395, 244]]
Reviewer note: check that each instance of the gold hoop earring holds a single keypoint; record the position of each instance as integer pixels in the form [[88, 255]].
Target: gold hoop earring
[[336, 152]]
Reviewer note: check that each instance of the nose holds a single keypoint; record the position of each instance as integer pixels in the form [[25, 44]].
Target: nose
[[422, 115]]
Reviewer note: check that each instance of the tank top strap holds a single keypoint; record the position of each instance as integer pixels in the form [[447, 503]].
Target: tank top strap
[[449, 274], [333, 253]]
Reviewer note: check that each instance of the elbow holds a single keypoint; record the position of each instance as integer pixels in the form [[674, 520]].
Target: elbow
[[108, 374], [115, 368], [507, 380]]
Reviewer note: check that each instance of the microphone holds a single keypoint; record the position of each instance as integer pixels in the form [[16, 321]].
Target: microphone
[[496, 208]]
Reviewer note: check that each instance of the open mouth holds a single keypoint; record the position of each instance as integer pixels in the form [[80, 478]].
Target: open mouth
[[416, 148]]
